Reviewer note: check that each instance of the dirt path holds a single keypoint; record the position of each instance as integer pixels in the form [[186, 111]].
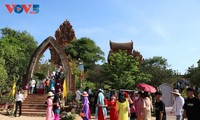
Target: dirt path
[[3, 117]]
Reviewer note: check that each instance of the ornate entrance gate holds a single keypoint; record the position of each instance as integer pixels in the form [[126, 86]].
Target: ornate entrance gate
[[64, 35]]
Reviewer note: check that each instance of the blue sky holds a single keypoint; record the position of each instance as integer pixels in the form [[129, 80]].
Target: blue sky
[[167, 28]]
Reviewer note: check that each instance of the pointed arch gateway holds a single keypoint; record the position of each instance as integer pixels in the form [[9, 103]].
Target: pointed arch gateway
[[50, 42]]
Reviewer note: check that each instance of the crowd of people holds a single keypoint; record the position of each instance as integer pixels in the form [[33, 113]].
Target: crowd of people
[[53, 106], [119, 105], [51, 86], [123, 105], [52, 83]]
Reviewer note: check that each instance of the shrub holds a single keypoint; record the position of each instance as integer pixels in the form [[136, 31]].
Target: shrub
[[7, 99], [67, 116]]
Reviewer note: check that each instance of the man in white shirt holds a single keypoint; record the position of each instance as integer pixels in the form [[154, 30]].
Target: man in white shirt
[[78, 94], [19, 99], [32, 86], [178, 104]]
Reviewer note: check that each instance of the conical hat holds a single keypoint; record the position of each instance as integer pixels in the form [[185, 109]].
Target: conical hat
[[50, 94]]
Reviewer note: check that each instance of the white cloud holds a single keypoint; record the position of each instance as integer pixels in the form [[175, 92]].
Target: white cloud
[[159, 29], [132, 31], [193, 50], [88, 31]]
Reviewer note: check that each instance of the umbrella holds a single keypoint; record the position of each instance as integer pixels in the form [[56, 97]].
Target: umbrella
[[146, 87]]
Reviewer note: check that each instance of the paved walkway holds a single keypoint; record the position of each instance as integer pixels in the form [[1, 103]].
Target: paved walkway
[[3, 117]]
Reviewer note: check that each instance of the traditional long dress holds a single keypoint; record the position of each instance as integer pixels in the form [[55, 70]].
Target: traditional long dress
[[57, 85], [52, 86], [49, 110], [113, 113], [56, 107], [123, 110], [101, 111], [138, 108], [86, 108], [147, 109]]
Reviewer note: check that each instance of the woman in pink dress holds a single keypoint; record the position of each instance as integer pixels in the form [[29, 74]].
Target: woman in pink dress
[[139, 106], [49, 110]]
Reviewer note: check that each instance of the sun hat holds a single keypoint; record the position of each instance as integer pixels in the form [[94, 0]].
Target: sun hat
[[176, 91], [50, 94], [85, 94], [101, 90]]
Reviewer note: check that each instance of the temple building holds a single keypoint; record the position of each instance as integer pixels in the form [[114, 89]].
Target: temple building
[[64, 35], [128, 47], [115, 47]]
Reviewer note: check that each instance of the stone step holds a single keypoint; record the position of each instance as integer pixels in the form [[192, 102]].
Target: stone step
[[36, 94], [33, 110], [39, 100], [31, 104], [34, 102], [34, 106], [41, 114], [36, 98]]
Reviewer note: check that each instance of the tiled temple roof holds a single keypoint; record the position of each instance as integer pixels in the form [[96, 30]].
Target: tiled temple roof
[[114, 47]]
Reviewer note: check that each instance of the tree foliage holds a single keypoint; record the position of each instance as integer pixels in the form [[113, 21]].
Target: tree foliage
[[123, 72], [3, 75], [42, 69], [193, 74], [96, 75], [157, 67], [86, 50], [16, 49]]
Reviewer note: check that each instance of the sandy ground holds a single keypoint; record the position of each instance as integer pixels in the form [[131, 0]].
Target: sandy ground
[[3, 117]]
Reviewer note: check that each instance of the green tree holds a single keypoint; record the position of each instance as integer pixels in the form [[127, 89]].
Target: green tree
[[86, 50], [159, 70], [3, 76], [16, 49], [123, 72], [193, 74], [42, 70], [96, 76]]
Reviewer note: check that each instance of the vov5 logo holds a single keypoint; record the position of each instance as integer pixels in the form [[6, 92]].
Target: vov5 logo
[[19, 8]]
